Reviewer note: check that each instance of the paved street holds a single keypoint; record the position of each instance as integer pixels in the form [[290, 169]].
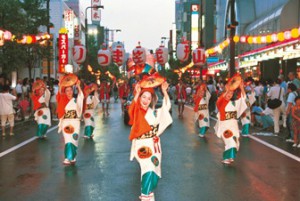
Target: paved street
[[191, 167]]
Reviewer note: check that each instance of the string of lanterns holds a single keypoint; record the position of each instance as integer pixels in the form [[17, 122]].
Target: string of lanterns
[[6, 35], [259, 39]]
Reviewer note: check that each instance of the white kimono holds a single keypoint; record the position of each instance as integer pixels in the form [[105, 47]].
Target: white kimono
[[89, 121], [42, 116], [148, 151], [228, 129], [202, 115], [70, 125]]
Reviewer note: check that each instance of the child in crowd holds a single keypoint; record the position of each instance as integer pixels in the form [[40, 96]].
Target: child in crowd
[[24, 106], [296, 121]]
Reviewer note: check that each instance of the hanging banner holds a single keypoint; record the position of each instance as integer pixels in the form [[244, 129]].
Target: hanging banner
[[62, 51], [96, 13], [69, 22]]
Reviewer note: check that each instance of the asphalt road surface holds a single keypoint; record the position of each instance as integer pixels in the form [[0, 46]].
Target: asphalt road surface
[[266, 168]]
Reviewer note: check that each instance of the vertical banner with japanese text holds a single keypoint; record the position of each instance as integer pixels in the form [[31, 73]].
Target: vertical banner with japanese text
[[62, 51], [96, 13]]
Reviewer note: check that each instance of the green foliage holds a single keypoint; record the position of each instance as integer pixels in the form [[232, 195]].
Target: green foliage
[[22, 17]]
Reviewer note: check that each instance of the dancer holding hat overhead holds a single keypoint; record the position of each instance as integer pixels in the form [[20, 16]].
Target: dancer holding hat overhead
[[201, 100], [231, 104], [90, 104], [40, 98], [147, 125], [69, 111]]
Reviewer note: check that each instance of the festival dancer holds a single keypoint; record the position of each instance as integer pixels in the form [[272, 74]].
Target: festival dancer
[[123, 89], [181, 97], [104, 96], [90, 104], [201, 100], [40, 98], [69, 111], [231, 104], [147, 126], [246, 116]]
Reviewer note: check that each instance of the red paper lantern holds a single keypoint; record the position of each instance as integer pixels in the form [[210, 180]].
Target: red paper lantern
[[118, 55], [104, 57], [79, 53], [139, 55], [162, 55], [199, 57]]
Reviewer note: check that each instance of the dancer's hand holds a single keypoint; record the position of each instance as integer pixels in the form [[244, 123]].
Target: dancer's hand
[[164, 87]]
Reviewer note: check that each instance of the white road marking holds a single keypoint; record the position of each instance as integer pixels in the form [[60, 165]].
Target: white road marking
[[266, 143], [23, 143]]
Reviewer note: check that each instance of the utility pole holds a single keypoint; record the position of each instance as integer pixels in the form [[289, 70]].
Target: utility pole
[[233, 24], [48, 41]]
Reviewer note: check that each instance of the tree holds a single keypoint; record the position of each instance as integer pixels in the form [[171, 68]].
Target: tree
[[22, 17]]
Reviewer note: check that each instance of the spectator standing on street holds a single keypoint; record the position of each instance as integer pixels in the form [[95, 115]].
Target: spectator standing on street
[[25, 87], [19, 89], [258, 89], [6, 109], [181, 97], [296, 121], [292, 94], [294, 79], [277, 92]]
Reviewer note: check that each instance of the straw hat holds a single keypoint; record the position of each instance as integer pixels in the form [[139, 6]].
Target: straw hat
[[38, 85], [152, 81], [69, 80]]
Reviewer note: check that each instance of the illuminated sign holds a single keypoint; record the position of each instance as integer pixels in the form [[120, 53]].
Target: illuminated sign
[[194, 25], [62, 52]]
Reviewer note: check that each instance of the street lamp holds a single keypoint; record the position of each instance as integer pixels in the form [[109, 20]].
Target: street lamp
[[86, 23]]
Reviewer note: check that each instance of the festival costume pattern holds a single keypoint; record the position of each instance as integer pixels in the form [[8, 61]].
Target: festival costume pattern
[[147, 148], [227, 124], [88, 116], [246, 116], [69, 124], [42, 113], [202, 112]]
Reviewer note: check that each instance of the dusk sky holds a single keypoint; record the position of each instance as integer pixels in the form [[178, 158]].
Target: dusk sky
[[140, 20]]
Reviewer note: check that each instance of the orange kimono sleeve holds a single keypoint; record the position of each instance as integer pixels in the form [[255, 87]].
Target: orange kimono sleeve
[[221, 105]]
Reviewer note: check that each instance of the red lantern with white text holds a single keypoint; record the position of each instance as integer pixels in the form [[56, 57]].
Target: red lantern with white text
[[182, 51], [79, 53], [139, 55], [162, 55], [118, 55], [104, 57], [199, 57]]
